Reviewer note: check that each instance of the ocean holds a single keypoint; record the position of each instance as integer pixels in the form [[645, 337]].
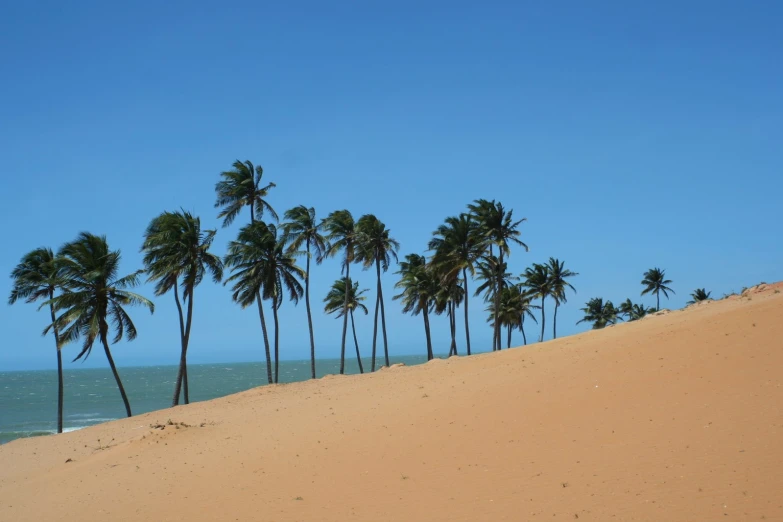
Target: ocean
[[28, 399]]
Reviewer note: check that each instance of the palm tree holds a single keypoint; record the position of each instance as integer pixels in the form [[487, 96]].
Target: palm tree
[[241, 187], [536, 280], [511, 310], [336, 301], [526, 308], [599, 313], [634, 311], [500, 230], [238, 188], [93, 295], [558, 285], [36, 278], [261, 266], [302, 230], [176, 252], [495, 278], [419, 285], [655, 282], [450, 295], [376, 247], [458, 246], [342, 236], [700, 294]]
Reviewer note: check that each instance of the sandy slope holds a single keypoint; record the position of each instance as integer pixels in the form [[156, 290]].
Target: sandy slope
[[674, 418]]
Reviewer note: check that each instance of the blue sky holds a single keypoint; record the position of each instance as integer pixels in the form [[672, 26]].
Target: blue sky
[[629, 134]]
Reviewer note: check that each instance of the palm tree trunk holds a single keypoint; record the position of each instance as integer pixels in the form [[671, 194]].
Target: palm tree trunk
[[453, 324], [522, 328], [657, 301], [188, 324], [430, 355], [116, 374], [266, 339], [356, 342], [508, 344], [309, 315], [277, 339], [383, 318], [498, 289], [180, 371], [59, 367], [554, 321], [377, 309], [345, 317], [543, 319], [467, 327]]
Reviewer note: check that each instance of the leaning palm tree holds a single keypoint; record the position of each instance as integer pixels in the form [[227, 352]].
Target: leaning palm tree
[[600, 313], [94, 299], [241, 187], [36, 278], [378, 248], [458, 245], [261, 267], [302, 230], [655, 282], [502, 231], [176, 253], [537, 282], [419, 285], [336, 300], [700, 294], [342, 237], [558, 284]]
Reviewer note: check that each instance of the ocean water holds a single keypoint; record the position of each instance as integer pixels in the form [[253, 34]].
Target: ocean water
[[28, 399]]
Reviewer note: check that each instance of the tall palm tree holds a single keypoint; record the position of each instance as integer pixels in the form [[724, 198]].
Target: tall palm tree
[[94, 299], [342, 237], [336, 300], [261, 266], [419, 285], [36, 278], [458, 245], [376, 247], [537, 282], [176, 253], [600, 313], [700, 294], [558, 284], [241, 187], [302, 230], [655, 282], [502, 231], [494, 278]]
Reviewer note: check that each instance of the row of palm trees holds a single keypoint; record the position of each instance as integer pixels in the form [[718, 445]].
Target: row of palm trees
[[88, 299]]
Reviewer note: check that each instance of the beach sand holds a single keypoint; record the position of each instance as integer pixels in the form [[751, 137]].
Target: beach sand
[[677, 417]]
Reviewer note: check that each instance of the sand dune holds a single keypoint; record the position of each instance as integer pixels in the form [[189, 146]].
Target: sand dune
[[678, 417]]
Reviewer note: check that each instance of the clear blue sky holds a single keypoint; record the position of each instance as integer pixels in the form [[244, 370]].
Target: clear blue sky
[[630, 134]]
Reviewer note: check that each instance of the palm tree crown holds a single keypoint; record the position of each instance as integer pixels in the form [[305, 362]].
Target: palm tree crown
[[335, 301], [655, 282], [558, 284], [241, 187], [700, 294], [36, 277], [600, 313]]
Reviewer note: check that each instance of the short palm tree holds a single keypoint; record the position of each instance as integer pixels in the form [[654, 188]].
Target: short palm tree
[[343, 237], [502, 231], [514, 305], [600, 313], [94, 299], [536, 281], [527, 308], [558, 283], [303, 233], [457, 246], [655, 282], [376, 247], [419, 285], [261, 266], [634, 311], [700, 294], [336, 300], [36, 278], [176, 253], [494, 278], [450, 295], [241, 187]]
